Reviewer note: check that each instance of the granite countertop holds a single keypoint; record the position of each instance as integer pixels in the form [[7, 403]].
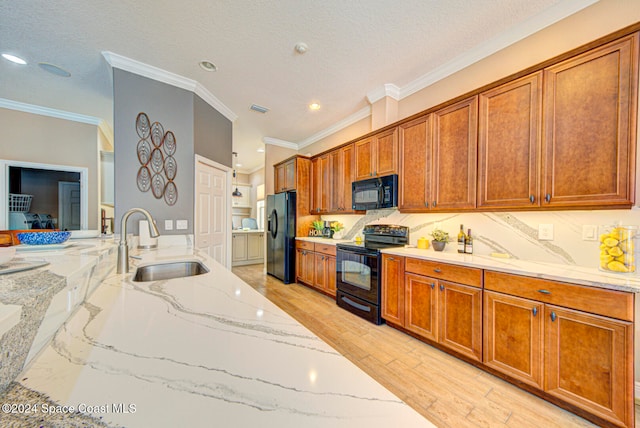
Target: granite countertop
[[202, 350], [248, 231], [568, 273], [320, 240]]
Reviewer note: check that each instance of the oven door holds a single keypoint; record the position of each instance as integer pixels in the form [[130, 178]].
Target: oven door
[[357, 273]]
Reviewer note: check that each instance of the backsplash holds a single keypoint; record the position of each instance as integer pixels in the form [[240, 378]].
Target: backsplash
[[514, 233]]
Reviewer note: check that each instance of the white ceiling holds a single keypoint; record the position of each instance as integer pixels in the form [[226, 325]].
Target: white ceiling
[[355, 48]]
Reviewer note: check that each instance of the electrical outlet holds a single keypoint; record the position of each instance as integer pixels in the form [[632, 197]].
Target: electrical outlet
[[168, 225], [182, 224], [589, 232], [545, 232]]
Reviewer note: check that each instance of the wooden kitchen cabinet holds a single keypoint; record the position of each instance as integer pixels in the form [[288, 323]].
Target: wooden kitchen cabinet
[[285, 176], [585, 355], [509, 138], [393, 289], [590, 112], [460, 323], [513, 337], [438, 159], [321, 191], [305, 266], [377, 155], [316, 266], [455, 134], [421, 306], [239, 247], [341, 175]]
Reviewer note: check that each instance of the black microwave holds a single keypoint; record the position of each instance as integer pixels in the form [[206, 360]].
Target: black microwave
[[375, 193]]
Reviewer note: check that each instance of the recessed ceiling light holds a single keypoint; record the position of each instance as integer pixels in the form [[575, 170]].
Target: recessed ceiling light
[[54, 69], [208, 66], [314, 106], [301, 48], [14, 59], [260, 150], [238, 165]]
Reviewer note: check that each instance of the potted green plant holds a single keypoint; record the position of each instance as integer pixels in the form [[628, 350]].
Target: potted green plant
[[318, 225], [440, 239], [336, 227]]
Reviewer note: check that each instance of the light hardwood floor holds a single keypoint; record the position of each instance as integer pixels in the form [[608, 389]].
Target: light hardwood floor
[[446, 391]]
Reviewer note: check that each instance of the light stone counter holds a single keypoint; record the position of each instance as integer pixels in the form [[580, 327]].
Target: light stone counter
[[556, 272], [318, 240], [206, 350]]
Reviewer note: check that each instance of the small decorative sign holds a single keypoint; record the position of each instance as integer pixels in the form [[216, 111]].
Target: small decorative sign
[[155, 152], [315, 232]]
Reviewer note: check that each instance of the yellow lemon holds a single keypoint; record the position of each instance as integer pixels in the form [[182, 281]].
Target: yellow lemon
[[615, 251], [611, 242], [617, 267]]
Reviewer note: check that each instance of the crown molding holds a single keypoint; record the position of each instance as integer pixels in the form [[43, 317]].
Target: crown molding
[[386, 90], [107, 131], [160, 75], [349, 120], [50, 112], [513, 35], [280, 143]]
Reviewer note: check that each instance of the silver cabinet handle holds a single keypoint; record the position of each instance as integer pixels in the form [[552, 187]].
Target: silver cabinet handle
[[441, 287], [437, 270], [433, 285], [553, 316], [535, 311], [532, 198], [544, 291], [548, 197]]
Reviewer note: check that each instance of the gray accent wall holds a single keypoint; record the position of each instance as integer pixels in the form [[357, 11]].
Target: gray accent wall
[[175, 109], [212, 133]]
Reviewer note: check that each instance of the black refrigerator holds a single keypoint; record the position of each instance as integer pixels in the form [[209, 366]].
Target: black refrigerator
[[281, 236]]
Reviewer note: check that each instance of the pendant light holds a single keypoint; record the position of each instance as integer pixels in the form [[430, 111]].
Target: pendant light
[[236, 193]]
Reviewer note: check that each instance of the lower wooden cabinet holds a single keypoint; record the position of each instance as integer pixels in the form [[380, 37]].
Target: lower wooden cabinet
[[316, 266], [569, 342]]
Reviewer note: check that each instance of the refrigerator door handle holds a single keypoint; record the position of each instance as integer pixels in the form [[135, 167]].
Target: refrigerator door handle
[[273, 228]]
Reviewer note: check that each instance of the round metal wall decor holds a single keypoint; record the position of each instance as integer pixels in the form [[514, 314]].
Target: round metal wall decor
[[158, 166]]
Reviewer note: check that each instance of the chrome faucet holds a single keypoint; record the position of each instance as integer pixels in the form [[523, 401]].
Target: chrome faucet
[[123, 247]]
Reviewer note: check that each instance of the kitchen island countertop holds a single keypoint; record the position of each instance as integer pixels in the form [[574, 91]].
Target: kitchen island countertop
[[200, 351]]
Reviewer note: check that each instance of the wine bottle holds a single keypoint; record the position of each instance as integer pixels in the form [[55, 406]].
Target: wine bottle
[[461, 240], [468, 245]]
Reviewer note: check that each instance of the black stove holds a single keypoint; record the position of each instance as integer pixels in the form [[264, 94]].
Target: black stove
[[357, 269]]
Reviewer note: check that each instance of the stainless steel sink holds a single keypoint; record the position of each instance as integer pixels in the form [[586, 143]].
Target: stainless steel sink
[[169, 270]]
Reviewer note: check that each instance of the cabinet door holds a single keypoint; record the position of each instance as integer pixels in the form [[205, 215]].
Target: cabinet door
[[589, 138], [320, 267], [415, 164], [348, 176], [320, 184], [330, 284], [336, 201], [393, 289], [386, 153], [305, 266], [239, 247], [364, 163], [290, 175], [279, 185], [589, 363], [509, 144], [421, 305], [454, 156], [513, 336], [460, 323], [255, 246]]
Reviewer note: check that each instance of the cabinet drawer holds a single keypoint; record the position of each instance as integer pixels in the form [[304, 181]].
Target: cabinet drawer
[[305, 245], [609, 303], [454, 273], [326, 249]]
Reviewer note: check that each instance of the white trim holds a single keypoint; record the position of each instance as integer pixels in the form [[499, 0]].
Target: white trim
[[160, 75], [4, 188], [50, 112], [387, 90], [349, 120], [280, 143], [636, 393], [106, 130]]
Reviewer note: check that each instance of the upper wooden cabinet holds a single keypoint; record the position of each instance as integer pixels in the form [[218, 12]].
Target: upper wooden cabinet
[[289, 174], [415, 148], [590, 112], [320, 188], [509, 135], [341, 171], [377, 156]]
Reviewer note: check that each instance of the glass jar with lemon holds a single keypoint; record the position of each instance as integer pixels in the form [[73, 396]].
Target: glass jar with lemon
[[617, 248]]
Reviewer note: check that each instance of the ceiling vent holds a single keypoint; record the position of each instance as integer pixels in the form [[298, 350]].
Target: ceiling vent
[[259, 109]]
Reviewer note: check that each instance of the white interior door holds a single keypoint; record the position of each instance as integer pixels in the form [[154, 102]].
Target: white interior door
[[69, 205], [213, 210]]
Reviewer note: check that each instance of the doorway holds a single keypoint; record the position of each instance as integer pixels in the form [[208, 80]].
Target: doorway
[[213, 210]]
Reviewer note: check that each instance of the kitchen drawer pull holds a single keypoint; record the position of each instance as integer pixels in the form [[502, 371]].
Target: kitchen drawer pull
[[535, 311], [437, 270], [532, 198], [553, 316], [391, 259], [441, 287], [355, 305], [544, 291]]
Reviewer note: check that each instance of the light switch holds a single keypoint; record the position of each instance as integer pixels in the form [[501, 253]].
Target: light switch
[[545, 232], [589, 232], [182, 224], [168, 225]]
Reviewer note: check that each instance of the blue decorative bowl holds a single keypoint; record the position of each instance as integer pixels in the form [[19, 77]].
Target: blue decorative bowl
[[43, 238]]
